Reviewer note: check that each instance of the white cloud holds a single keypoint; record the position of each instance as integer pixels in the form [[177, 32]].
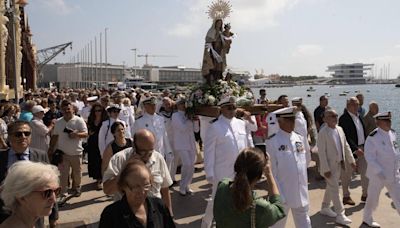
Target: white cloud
[[58, 6], [305, 50], [246, 15]]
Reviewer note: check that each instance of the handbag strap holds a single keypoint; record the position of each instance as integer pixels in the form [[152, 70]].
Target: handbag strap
[[253, 214]]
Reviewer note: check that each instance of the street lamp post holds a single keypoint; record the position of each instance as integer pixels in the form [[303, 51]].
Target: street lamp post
[[134, 50]]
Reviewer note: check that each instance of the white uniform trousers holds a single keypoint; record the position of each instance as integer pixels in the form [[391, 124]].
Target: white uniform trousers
[[209, 213], [332, 191], [300, 217], [346, 177], [188, 159], [174, 165], [374, 190]]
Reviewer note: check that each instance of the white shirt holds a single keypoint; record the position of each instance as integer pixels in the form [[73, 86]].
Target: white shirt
[[289, 161], [183, 132], [65, 143], [336, 138], [40, 138], [300, 125], [360, 129], [156, 164], [224, 140], [128, 116], [382, 153], [105, 135], [155, 124]]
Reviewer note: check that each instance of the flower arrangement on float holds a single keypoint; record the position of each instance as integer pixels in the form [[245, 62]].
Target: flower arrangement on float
[[204, 98]]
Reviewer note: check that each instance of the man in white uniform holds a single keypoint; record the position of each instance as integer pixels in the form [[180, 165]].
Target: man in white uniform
[[335, 155], [184, 145], [153, 122], [126, 114], [86, 110], [289, 154], [383, 166], [225, 138]]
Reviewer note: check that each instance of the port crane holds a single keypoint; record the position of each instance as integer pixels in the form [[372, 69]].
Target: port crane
[[146, 56]]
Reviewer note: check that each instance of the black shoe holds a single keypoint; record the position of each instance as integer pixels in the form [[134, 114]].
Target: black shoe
[[348, 200], [363, 199], [76, 193], [62, 199]]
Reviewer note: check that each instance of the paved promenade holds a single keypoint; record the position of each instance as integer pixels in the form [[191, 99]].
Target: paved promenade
[[85, 211]]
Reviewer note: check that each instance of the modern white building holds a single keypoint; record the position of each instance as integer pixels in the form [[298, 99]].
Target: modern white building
[[349, 73], [79, 75]]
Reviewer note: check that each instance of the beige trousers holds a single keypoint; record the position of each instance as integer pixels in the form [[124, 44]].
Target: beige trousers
[[332, 191], [346, 177], [70, 162]]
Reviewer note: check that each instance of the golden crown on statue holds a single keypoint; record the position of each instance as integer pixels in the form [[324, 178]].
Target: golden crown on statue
[[219, 9]]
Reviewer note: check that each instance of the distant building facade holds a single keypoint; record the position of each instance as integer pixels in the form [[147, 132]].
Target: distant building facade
[[349, 73], [76, 75]]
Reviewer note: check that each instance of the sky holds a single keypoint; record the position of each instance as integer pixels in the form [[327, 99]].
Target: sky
[[287, 37]]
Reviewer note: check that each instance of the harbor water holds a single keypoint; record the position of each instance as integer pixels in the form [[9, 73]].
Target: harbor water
[[386, 95]]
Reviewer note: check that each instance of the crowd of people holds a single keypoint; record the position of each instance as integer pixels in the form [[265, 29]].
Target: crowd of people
[[133, 142]]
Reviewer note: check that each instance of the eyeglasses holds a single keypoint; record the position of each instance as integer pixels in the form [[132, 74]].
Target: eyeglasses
[[20, 134], [138, 188], [115, 110], [48, 193], [98, 110]]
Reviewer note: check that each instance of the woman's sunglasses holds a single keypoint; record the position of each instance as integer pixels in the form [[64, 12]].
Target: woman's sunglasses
[[48, 193]]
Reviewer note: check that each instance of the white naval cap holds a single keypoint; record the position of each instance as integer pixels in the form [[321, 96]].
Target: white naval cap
[[113, 106], [37, 108], [180, 100], [230, 100], [149, 100], [91, 99], [383, 116], [285, 112], [297, 99]]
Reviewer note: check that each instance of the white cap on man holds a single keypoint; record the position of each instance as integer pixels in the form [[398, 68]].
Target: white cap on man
[[229, 100], [285, 112], [92, 98], [383, 116], [37, 108], [297, 100]]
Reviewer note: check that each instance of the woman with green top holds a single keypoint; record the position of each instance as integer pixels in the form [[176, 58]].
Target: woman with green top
[[236, 205]]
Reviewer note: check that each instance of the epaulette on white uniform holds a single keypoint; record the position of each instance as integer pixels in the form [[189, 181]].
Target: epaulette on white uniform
[[270, 137], [139, 117], [373, 132]]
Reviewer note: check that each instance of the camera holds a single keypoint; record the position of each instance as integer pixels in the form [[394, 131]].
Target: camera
[[67, 130]]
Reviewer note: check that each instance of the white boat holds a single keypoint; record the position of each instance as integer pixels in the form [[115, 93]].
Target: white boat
[[311, 89]]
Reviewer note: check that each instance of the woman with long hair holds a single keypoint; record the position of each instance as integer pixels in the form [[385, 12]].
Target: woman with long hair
[[236, 204], [97, 115]]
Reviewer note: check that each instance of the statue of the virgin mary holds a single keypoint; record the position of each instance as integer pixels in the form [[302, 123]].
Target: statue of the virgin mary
[[217, 43]]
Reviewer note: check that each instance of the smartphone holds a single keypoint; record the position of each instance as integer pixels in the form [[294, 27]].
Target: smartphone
[[263, 149]]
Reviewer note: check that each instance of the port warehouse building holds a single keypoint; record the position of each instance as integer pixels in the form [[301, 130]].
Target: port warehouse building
[[78, 75]]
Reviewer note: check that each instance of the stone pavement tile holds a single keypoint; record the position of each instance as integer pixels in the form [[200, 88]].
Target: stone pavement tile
[[85, 211]]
